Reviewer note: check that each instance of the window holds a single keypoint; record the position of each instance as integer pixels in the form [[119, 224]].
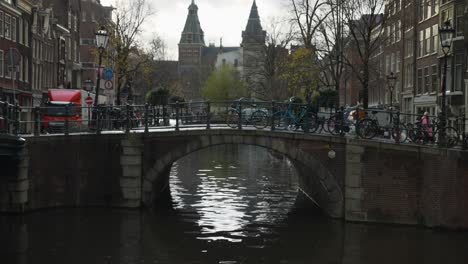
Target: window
[[420, 81], [26, 69], [83, 16], [1, 23], [13, 28], [427, 80], [26, 33], [21, 69], [435, 7], [2, 64], [398, 31], [458, 73], [20, 30], [435, 79], [421, 43], [392, 58], [459, 20], [7, 26], [435, 38], [447, 16], [409, 75], [428, 38], [398, 60], [409, 48]]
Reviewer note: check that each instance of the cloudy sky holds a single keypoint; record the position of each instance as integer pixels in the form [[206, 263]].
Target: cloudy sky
[[218, 18]]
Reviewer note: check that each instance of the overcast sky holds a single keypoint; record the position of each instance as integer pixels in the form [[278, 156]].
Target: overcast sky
[[218, 18]]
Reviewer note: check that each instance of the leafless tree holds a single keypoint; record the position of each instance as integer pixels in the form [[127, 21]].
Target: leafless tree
[[330, 49], [308, 16], [265, 80], [366, 27], [130, 16]]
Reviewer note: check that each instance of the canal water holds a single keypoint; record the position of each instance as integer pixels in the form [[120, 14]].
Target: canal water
[[228, 204]]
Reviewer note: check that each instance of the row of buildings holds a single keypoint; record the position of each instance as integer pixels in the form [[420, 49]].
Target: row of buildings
[[410, 49], [47, 44]]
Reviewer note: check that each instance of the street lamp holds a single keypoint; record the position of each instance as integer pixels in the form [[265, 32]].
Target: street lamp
[[446, 33], [391, 79], [102, 38]]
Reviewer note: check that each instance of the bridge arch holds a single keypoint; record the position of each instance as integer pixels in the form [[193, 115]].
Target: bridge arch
[[317, 181]]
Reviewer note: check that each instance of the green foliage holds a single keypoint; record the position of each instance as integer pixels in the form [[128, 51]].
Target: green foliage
[[224, 84], [158, 97], [301, 72]]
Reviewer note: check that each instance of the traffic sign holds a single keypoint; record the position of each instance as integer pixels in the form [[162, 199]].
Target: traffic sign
[[109, 85], [108, 74], [89, 100]]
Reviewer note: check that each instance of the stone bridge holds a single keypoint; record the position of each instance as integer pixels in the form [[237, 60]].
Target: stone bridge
[[367, 181]]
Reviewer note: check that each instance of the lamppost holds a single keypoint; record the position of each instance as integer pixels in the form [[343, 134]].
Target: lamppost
[[446, 33], [102, 38], [391, 79]]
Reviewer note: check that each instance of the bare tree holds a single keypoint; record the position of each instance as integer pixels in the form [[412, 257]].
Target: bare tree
[[266, 78], [130, 16], [308, 16], [331, 49], [366, 27]]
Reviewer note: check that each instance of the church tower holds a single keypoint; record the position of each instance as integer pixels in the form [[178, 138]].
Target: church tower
[[193, 39], [253, 50], [191, 47]]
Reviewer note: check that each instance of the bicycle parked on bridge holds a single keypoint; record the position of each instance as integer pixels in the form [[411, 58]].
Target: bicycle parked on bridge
[[248, 116], [370, 127], [296, 117], [433, 132]]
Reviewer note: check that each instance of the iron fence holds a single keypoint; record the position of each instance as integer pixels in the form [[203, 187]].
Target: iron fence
[[391, 126]]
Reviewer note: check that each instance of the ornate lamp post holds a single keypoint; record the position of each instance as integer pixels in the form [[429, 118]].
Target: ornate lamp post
[[391, 79], [102, 39], [446, 33]]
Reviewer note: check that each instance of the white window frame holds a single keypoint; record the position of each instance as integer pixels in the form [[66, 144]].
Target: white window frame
[[2, 63]]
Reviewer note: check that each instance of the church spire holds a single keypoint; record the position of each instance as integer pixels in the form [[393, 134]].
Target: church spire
[[193, 33], [254, 30]]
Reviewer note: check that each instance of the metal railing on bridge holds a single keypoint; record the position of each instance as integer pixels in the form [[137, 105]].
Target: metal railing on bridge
[[385, 125]]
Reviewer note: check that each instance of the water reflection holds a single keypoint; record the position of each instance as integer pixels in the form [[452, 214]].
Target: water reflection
[[228, 188]]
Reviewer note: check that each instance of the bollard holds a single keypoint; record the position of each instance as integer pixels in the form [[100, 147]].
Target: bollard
[[67, 121], [177, 116], [272, 115], [37, 121], [208, 115], [146, 117]]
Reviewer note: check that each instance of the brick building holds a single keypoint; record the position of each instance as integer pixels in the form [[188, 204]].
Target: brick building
[[15, 18], [411, 50], [67, 15], [93, 16]]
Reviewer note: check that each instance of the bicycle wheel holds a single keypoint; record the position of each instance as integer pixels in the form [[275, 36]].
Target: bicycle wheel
[[366, 129], [232, 119], [259, 119], [281, 120], [335, 125], [310, 122], [400, 134], [447, 137]]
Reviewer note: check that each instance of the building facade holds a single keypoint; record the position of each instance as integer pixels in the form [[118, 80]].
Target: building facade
[[197, 61], [93, 16], [15, 52]]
